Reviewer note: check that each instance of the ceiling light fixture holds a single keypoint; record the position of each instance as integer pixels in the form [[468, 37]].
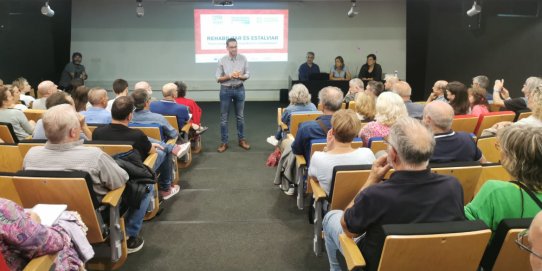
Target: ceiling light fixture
[[475, 10], [47, 11], [140, 11], [352, 12]]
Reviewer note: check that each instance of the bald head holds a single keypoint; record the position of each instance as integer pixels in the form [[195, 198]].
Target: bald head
[[46, 88], [438, 116], [97, 97], [535, 238], [61, 124], [144, 85], [169, 90], [403, 89]]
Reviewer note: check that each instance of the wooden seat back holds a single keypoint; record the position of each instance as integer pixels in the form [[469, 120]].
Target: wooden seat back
[[10, 158], [70, 191], [8, 190], [377, 144], [346, 186], [468, 176], [489, 119], [492, 172], [34, 114], [464, 123], [352, 105], [489, 149], [152, 132], [443, 252], [7, 134], [298, 118], [511, 257], [172, 121], [524, 115]]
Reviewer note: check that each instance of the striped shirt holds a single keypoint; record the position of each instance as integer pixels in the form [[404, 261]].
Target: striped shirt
[[105, 172], [228, 65]]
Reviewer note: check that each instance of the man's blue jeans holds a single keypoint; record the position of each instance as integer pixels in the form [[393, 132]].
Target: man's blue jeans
[[229, 96], [134, 218], [164, 165], [332, 229]]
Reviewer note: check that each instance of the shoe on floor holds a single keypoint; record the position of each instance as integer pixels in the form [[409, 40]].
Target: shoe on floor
[[290, 191], [273, 141], [201, 130], [181, 150], [134, 244], [173, 190], [244, 144], [222, 148]]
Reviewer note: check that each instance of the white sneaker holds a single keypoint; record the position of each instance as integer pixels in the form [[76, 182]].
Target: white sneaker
[[273, 141], [181, 150], [290, 191]]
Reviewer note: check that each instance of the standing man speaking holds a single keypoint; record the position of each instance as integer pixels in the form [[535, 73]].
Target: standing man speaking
[[232, 71]]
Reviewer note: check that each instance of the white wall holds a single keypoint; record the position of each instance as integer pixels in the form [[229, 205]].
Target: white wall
[[159, 47]]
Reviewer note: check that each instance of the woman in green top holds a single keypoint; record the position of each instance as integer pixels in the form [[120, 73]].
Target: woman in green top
[[521, 156]]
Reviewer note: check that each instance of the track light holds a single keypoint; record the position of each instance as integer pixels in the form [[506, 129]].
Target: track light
[[47, 11], [476, 9], [140, 11], [352, 12]]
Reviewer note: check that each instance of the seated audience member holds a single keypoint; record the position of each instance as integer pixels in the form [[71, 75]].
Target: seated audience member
[[478, 101], [390, 79], [411, 195], [142, 115], [23, 237], [365, 107], [25, 89], [146, 86], [21, 125], [338, 149], [521, 155], [331, 99], [64, 151], [355, 86], [45, 89], [371, 71], [415, 110], [120, 87], [532, 242], [438, 91], [483, 82], [534, 103], [168, 106], [57, 99], [458, 97], [97, 114], [339, 71], [389, 108], [450, 146], [80, 98], [308, 68], [374, 88], [16, 94], [122, 112], [518, 104], [193, 107], [300, 100]]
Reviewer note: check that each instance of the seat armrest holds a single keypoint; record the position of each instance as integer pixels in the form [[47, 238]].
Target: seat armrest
[[44, 262], [186, 127], [291, 137], [151, 160], [300, 161], [113, 197], [317, 192], [172, 141], [351, 252]]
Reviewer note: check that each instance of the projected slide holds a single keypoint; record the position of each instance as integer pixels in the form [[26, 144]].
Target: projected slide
[[261, 34]]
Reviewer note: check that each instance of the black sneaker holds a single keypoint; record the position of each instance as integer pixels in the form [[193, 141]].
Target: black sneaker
[[134, 244]]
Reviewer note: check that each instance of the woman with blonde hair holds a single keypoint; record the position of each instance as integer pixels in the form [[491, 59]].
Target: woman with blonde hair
[[521, 155], [389, 108], [534, 102], [16, 94], [365, 107], [339, 151], [300, 100]]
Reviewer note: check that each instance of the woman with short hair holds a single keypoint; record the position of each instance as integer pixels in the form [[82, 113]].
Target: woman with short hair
[[389, 108], [521, 155], [371, 70], [365, 107], [534, 102]]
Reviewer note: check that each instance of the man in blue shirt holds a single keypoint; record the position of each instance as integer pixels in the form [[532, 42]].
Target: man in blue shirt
[[142, 115], [97, 114], [308, 68], [168, 106]]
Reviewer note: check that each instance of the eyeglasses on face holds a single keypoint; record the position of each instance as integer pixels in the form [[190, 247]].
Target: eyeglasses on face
[[523, 242]]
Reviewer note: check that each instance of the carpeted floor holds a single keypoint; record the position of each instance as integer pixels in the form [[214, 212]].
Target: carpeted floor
[[229, 215]]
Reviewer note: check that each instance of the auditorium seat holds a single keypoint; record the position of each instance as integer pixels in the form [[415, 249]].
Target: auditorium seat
[[352, 105], [467, 173], [377, 144], [492, 171], [524, 115], [345, 184], [299, 117], [7, 134], [503, 253], [464, 123], [10, 157], [446, 246], [488, 147], [74, 188], [489, 119], [34, 114]]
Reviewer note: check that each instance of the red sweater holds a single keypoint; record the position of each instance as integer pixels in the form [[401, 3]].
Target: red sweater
[[195, 110]]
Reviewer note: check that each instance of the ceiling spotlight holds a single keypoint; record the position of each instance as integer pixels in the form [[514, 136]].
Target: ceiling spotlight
[[140, 11], [352, 12], [476, 9], [47, 11], [222, 3]]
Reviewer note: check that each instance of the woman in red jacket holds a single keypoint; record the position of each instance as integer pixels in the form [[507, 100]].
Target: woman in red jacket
[[194, 109]]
